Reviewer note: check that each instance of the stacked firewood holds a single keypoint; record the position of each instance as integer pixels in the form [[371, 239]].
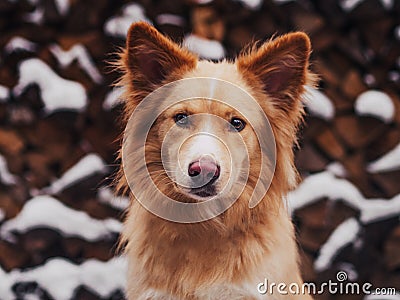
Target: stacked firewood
[[58, 147]]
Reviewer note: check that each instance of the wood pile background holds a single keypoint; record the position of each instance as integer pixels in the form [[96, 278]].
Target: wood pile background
[[353, 51]]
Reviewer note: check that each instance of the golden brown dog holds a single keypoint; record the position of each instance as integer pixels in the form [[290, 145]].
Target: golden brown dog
[[224, 257]]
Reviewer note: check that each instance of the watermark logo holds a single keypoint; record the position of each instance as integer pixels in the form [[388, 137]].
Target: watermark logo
[[341, 276], [144, 183], [341, 287]]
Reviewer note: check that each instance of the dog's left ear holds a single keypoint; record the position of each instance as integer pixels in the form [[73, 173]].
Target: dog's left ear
[[281, 66]]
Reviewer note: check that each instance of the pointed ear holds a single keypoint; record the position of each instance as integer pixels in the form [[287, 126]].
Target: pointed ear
[[281, 66], [150, 57]]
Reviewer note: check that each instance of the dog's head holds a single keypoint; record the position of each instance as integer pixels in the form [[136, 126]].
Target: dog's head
[[212, 119]]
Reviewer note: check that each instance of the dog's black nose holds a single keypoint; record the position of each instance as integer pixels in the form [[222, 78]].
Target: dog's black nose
[[204, 170]]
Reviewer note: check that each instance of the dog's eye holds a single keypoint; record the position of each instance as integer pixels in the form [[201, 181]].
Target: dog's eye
[[181, 119], [238, 124]]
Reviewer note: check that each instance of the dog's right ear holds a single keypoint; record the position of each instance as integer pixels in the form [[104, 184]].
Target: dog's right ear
[[151, 57], [281, 66]]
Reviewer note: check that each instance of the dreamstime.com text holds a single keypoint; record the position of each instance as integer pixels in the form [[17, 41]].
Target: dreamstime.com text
[[342, 287]]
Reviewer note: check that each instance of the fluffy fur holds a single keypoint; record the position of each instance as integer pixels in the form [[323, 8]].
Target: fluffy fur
[[225, 257]]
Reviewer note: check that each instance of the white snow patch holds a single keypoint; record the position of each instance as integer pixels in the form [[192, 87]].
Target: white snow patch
[[349, 5], [380, 209], [387, 4], [350, 270], [5, 176], [343, 235], [397, 32], [48, 212], [252, 4], [170, 19], [337, 169], [36, 16], [318, 103], [118, 26], [62, 6], [87, 166], [57, 93], [6, 282], [113, 98], [79, 53], [106, 196], [326, 185], [207, 49], [18, 43], [4, 93], [375, 103], [2, 216], [60, 278], [388, 162], [394, 76], [369, 79]]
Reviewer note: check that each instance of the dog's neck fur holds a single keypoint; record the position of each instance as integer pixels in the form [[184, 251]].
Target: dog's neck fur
[[201, 255]]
